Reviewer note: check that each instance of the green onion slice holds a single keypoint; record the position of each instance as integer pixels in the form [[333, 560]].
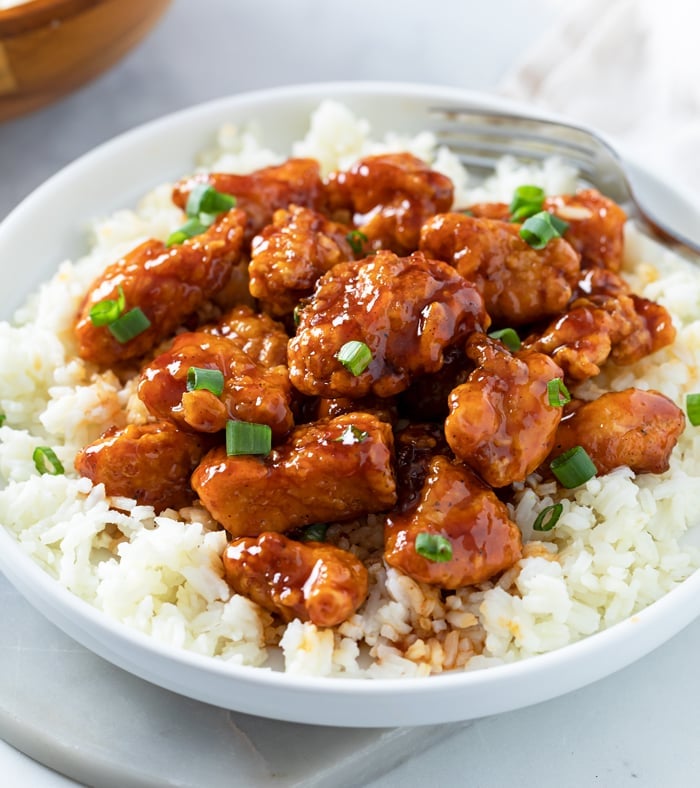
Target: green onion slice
[[199, 378], [540, 229], [205, 199], [2, 419], [692, 408], [355, 356], [434, 547], [245, 437], [557, 393], [296, 314], [548, 517], [46, 461], [509, 337], [351, 435], [188, 230], [356, 239], [526, 202], [105, 312], [314, 533], [573, 468], [129, 325]]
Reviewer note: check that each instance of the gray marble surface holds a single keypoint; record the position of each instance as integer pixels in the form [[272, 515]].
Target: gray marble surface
[[98, 724]]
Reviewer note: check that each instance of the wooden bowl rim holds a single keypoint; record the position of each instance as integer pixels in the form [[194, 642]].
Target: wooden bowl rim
[[38, 13]]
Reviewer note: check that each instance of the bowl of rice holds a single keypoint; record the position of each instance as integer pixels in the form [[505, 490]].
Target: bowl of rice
[[147, 590], [51, 47]]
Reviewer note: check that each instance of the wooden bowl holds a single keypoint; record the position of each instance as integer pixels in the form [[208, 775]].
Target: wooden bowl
[[50, 47]]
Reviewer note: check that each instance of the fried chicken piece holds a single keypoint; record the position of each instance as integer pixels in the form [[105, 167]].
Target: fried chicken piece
[[290, 254], [256, 333], [390, 195], [406, 310], [501, 423], [456, 505], [259, 194], [596, 227], [310, 581], [328, 471], [167, 283], [251, 392], [624, 328], [384, 408], [151, 463], [596, 224], [631, 427], [519, 284]]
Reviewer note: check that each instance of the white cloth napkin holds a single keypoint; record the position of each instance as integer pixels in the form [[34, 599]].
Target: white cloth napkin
[[630, 68]]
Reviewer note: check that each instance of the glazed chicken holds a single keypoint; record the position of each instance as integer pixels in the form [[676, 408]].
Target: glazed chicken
[[406, 310], [519, 284], [310, 581], [456, 505], [290, 254], [501, 422], [326, 471], [418, 434], [167, 283], [250, 393], [261, 193], [389, 197], [631, 427], [150, 463]]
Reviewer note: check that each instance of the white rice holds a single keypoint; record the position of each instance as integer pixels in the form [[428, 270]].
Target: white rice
[[621, 543]]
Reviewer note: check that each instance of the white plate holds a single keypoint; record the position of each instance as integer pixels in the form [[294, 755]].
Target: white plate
[[49, 226]]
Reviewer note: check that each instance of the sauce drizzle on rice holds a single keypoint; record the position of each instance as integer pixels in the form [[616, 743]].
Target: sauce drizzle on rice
[[445, 434]]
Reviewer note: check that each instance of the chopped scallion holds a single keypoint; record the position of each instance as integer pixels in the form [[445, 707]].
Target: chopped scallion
[[205, 199], [188, 230], [199, 378], [351, 435], [2, 419], [244, 437], [356, 239], [355, 357], [46, 461], [540, 229], [509, 337], [314, 533], [692, 408], [557, 393], [105, 312], [573, 468], [129, 325], [526, 202], [434, 547], [548, 517]]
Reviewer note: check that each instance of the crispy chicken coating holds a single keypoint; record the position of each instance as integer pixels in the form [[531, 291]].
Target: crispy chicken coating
[[390, 196], [596, 227], [256, 333], [596, 224], [310, 581], [631, 427], [251, 392], [456, 505], [151, 463], [290, 254], [624, 328], [327, 471], [501, 423], [519, 284], [262, 192], [167, 283], [406, 310]]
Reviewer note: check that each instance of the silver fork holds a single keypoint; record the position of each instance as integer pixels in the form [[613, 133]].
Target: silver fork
[[480, 138]]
